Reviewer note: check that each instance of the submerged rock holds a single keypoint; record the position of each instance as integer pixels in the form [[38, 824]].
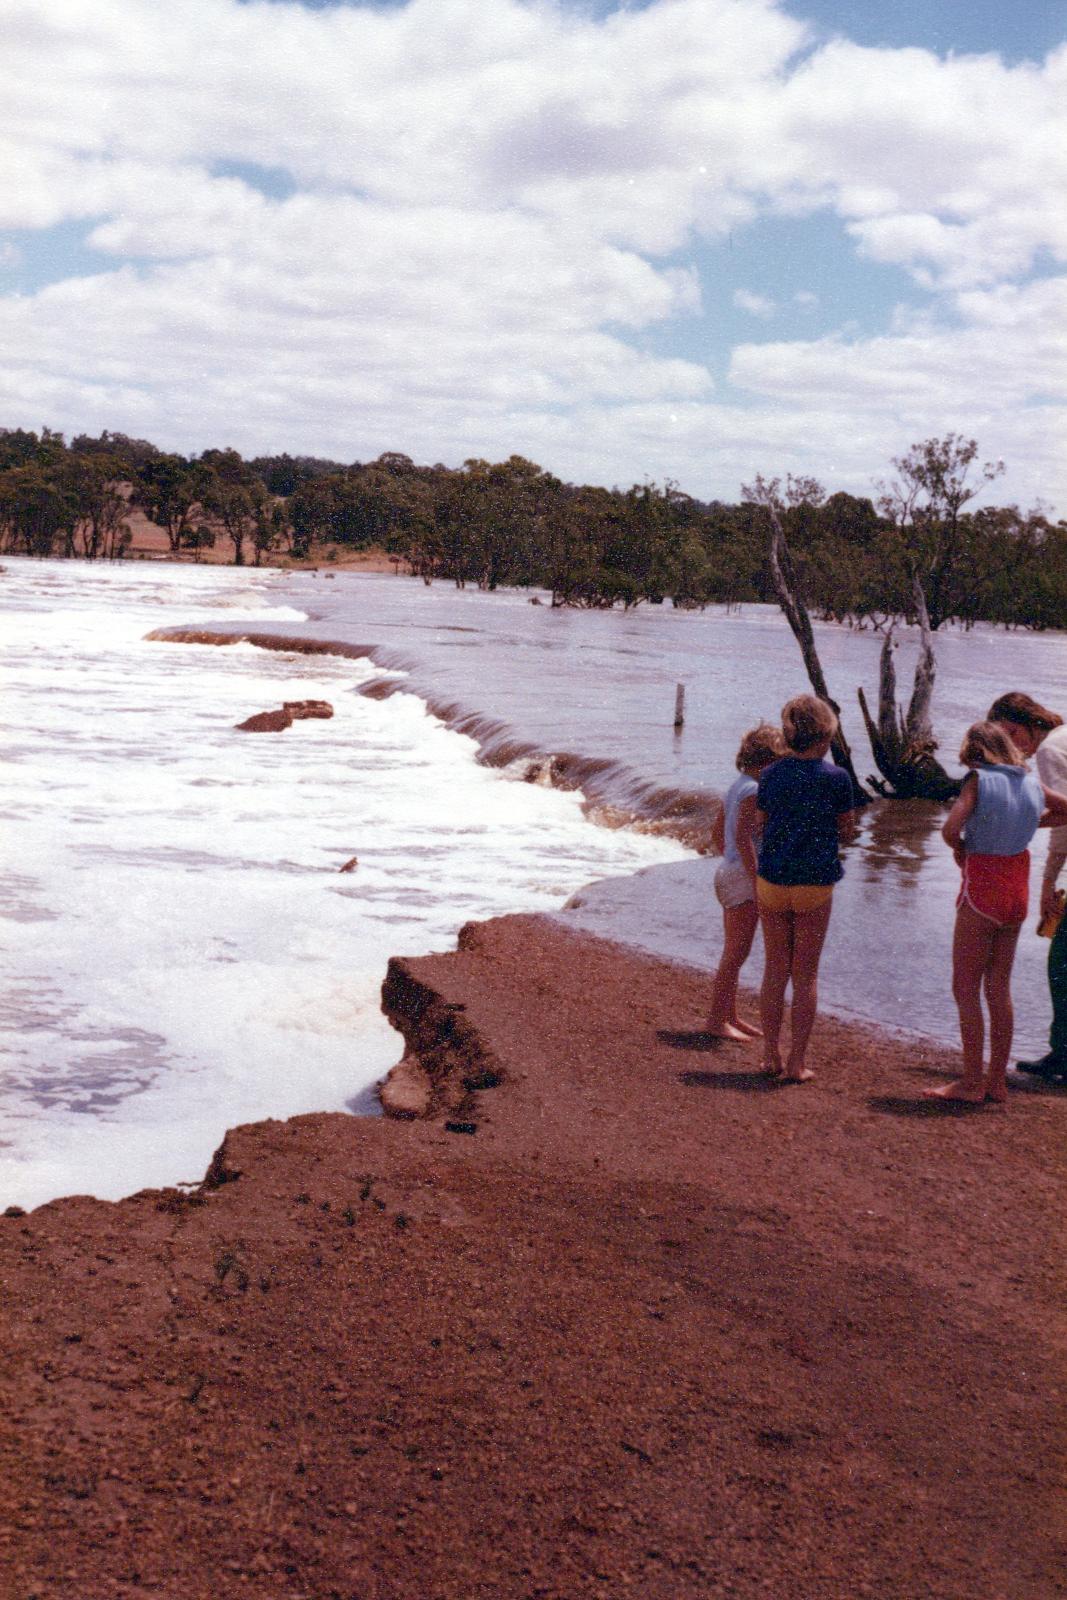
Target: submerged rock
[[266, 722], [299, 709]]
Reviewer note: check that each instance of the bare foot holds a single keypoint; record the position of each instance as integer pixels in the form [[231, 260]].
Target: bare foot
[[772, 1069], [749, 1029], [725, 1030], [996, 1093], [797, 1075], [959, 1090]]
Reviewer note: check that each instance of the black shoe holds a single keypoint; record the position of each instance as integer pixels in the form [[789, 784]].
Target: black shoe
[[1050, 1066]]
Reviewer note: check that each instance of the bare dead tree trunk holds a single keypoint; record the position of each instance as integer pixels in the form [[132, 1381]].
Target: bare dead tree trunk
[[918, 723], [903, 746], [787, 590]]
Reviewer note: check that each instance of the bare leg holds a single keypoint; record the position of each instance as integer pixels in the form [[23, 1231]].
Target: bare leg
[[778, 960], [739, 928], [1001, 1014], [972, 949], [809, 934]]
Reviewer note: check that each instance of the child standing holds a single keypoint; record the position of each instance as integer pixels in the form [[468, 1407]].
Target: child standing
[[989, 828], [736, 838], [806, 809]]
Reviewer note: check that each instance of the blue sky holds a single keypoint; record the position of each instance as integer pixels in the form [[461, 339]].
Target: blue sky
[[1026, 30], [691, 239]]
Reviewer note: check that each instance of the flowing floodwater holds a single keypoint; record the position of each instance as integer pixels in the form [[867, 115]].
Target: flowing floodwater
[[182, 951]]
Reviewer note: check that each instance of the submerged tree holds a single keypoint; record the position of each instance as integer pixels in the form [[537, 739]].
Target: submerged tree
[[925, 562], [938, 552], [799, 493]]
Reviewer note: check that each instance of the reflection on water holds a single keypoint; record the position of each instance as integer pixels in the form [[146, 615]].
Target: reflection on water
[[902, 837]]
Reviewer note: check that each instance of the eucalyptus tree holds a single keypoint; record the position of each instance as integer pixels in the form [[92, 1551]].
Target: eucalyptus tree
[[36, 510], [235, 498], [167, 489], [96, 484]]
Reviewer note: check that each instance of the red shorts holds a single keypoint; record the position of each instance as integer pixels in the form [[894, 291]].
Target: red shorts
[[997, 887]]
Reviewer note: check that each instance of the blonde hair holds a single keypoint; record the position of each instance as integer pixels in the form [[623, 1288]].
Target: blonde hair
[[759, 747], [807, 721], [986, 742]]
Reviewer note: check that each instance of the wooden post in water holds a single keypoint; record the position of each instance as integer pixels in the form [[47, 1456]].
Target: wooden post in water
[[679, 707]]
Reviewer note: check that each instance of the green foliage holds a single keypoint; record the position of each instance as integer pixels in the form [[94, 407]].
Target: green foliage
[[131, 454], [95, 486], [357, 507], [285, 474], [167, 489], [236, 500], [36, 511], [20, 448]]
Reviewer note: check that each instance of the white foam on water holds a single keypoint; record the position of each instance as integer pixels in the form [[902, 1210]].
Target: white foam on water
[[183, 953]]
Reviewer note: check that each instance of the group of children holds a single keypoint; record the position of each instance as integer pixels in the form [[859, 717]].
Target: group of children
[[779, 835]]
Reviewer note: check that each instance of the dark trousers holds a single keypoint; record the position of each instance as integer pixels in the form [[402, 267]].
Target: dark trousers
[[1057, 982]]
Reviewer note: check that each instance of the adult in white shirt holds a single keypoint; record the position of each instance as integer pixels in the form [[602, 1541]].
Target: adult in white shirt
[[1040, 733]]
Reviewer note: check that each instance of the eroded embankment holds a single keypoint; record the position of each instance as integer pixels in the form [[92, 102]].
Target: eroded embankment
[[652, 1327], [293, 644], [446, 1061], [613, 794]]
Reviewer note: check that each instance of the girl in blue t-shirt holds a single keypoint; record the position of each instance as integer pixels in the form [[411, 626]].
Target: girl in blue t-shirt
[[736, 838], [1000, 808], [805, 809]]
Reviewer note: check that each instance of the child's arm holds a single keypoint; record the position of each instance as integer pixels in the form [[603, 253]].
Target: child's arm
[[962, 809], [847, 826], [1053, 868], [1055, 812], [746, 823], [718, 831]]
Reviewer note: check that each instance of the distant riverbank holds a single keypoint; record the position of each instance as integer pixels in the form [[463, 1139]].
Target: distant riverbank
[[150, 543]]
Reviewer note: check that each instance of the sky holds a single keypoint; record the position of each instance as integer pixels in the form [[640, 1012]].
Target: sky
[[678, 240]]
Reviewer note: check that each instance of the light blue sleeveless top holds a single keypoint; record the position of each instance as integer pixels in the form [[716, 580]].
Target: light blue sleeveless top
[[739, 790], [1010, 803]]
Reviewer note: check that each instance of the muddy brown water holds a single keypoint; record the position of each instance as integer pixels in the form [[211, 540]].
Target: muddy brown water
[[587, 699]]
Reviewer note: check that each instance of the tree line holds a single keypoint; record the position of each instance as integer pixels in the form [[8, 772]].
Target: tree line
[[852, 559]]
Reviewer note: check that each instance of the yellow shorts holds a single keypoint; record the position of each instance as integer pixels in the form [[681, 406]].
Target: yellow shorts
[[796, 897]]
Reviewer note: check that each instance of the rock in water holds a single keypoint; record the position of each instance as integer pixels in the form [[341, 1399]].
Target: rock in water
[[299, 709], [266, 722]]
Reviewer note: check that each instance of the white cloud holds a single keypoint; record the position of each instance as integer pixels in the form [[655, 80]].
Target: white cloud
[[757, 305], [955, 169], [997, 371], [1015, 339], [494, 210]]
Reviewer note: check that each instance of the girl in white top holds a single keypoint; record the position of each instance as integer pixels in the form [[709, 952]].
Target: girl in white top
[[735, 879]]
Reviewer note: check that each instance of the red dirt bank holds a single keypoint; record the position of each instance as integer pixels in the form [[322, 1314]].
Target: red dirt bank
[[654, 1329]]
